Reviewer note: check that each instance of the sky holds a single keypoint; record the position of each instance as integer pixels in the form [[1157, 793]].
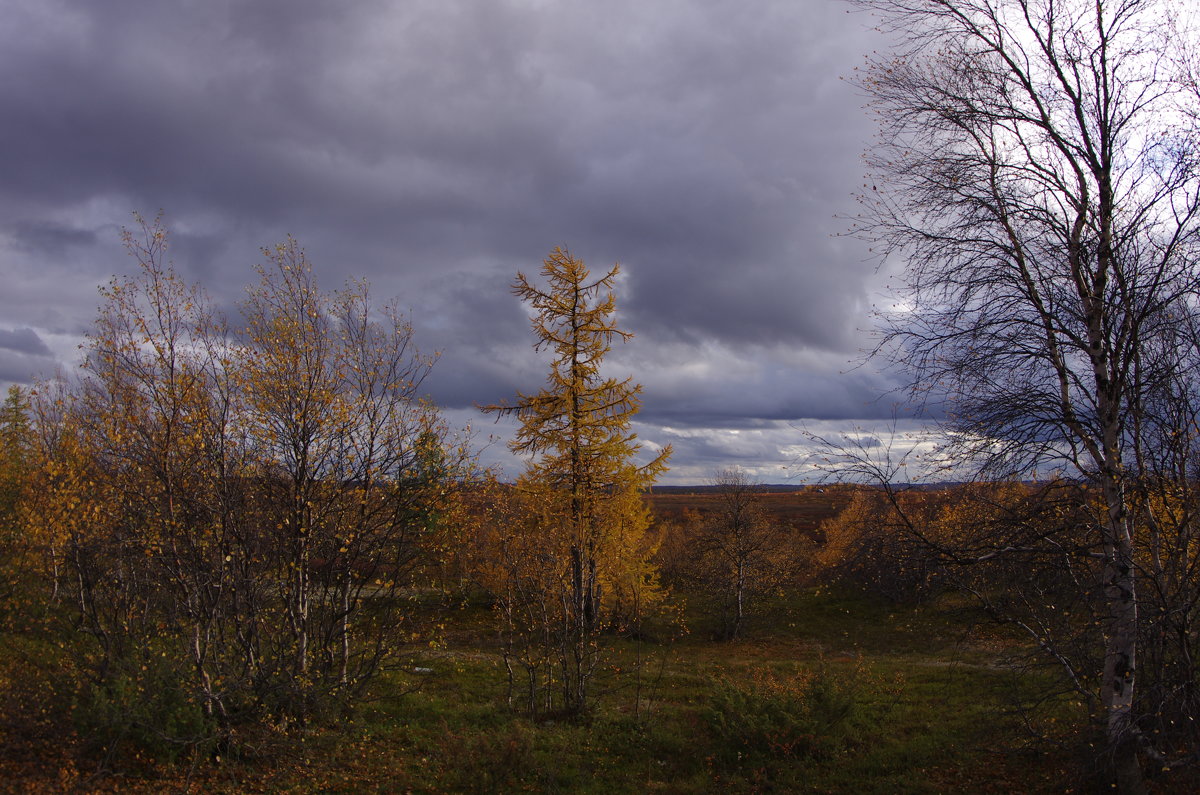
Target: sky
[[435, 148]]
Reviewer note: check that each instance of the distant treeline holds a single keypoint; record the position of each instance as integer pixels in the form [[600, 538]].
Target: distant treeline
[[764, 488]]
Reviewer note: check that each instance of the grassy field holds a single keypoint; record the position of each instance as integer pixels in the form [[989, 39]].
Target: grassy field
[[830, 693], [827, 692]]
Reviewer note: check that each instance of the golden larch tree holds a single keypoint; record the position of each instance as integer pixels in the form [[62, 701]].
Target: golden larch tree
[[582, 458]]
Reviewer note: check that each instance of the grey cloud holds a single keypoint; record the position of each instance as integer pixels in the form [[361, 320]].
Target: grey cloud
[[436, 146], [19, 368], [23, 340], [49, 238], [14, 372]]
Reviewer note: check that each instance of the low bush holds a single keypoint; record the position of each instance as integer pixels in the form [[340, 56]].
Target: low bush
[[805, 714], [144, 710]]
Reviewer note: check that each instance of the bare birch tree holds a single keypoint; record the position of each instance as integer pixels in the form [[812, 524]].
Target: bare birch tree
[[739, 549], [1037, 174]]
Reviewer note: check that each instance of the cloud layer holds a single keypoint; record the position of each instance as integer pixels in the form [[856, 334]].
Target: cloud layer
[[434, 147]]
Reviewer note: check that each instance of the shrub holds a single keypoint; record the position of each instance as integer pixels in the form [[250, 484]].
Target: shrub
[[806, 714], [146, 708]]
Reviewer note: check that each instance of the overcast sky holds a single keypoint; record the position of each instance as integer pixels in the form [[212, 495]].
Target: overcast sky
[[434, 147]]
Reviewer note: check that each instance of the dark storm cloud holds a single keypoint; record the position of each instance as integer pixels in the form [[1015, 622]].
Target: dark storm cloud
[[23, 340], [43, 237], [23, 355], [436, 146], [772, 396]]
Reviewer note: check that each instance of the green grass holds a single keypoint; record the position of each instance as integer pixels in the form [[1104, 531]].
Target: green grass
[[929, 709], [904, 700]]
